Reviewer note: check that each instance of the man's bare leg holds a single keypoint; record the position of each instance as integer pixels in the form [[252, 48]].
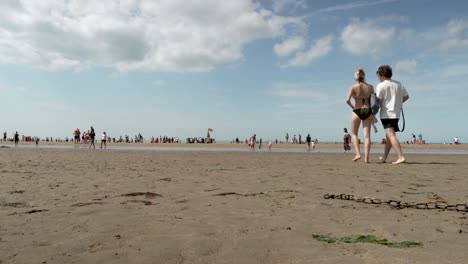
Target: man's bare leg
[[395, 144]]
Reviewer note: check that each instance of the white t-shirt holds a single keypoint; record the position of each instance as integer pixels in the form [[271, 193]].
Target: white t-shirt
[[390, 93]]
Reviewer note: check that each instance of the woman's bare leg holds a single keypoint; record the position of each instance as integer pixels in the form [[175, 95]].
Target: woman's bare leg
[[355, 122], [367, 139]]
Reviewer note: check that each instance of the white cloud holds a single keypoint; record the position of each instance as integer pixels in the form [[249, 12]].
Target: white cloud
[[53, 106], [455, 70], [12, 89], [319, 49], [457, 36], [288, 106], [159, 84], [451, 38], [367, 37], [281, 5], [456, 27], [454, 44], [294, 93], [391, 19], [289, 46], [349, 6], [164, 35], [406, 65]]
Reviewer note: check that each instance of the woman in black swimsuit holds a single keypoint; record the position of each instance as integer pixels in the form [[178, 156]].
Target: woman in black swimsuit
[[361, 92]]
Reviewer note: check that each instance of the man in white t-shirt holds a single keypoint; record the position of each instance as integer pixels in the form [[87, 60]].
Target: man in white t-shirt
[[392, 95]]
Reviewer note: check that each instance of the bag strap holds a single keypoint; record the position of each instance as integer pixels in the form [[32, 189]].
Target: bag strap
[[403, 115]]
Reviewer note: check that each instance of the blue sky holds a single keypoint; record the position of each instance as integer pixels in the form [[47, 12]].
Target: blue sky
[[268, 67]]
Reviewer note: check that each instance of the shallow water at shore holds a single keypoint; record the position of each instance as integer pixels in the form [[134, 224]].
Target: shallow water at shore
[[244, 150]]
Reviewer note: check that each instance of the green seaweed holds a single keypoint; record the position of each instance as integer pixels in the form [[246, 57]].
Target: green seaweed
[[367, 239]]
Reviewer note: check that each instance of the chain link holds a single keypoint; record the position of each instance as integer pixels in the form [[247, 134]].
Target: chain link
[[400, 204]]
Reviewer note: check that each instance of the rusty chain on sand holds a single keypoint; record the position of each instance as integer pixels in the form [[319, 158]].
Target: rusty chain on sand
[[400, 204]]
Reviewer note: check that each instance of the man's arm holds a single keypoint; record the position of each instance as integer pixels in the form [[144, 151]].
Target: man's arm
[[405, 98], [405, 94]]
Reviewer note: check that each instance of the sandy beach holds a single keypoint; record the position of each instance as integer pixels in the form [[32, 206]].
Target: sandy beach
[[117, 206]]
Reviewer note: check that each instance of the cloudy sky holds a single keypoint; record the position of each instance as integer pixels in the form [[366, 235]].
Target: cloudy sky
[[177, 67]]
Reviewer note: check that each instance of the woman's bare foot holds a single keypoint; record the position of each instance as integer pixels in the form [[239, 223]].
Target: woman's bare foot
[[399, 161], [357, 158]]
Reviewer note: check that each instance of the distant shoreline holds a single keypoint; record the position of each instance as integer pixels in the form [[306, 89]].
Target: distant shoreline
[[234, 145]]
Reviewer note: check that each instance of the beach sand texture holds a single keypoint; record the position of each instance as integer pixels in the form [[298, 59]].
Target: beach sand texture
[[95, 206]]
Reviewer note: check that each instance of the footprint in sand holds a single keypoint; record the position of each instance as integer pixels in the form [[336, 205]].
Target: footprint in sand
[[138, 201], [148, 195]]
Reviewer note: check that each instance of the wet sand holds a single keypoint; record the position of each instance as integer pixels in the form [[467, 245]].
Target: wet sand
[[82, 206]]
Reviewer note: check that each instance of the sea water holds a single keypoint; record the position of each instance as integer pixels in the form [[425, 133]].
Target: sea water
[[242, 150]]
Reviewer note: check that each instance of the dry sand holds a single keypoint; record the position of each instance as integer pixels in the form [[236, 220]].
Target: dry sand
[[68, 206]]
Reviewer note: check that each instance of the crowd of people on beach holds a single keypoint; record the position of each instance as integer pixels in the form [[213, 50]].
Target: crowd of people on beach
[[419, 140], [253, 141]]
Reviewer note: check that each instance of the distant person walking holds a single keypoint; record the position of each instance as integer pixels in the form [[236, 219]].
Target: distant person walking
[[16, 138], [362, 113], [83, 137], [4, 136], [346, 140], [92, 138], [253, 140], [392, 95], [309, 141], [76, 135], [287, 138], [104, 139]]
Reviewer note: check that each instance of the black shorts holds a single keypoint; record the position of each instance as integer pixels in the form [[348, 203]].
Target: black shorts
[[390, 123]]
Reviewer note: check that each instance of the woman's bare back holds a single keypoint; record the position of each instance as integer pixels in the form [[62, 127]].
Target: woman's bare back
[[361, 94]]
